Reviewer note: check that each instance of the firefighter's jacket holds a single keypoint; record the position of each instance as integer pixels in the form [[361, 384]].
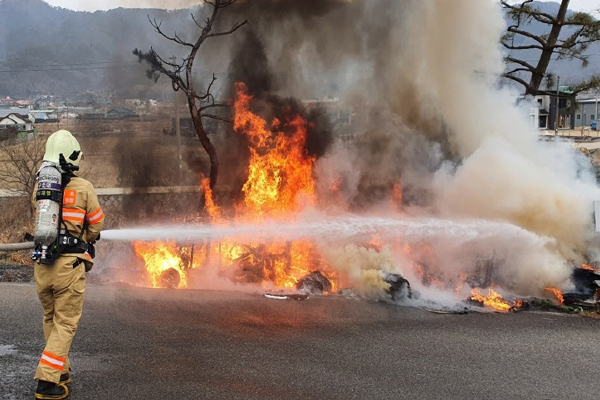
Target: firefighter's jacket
[[80, 208]]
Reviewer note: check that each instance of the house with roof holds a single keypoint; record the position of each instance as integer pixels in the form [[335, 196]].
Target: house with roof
[[5, 112], [587, 110], [22, 104], [6, 102], [17, 122], [121, 113], [44, 116], [44, 102], [543, 113]]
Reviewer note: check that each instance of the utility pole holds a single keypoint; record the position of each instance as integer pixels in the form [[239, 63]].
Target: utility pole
[[178, 128], [178, 132], [596, 115], [557, 110]]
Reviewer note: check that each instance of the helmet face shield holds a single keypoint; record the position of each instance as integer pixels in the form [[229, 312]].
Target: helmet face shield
[[63, 142]]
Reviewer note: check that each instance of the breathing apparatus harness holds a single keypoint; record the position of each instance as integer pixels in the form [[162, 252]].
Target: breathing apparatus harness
[[50, 245]]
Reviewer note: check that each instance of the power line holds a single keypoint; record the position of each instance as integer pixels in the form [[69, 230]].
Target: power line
[[60, 65], [101, 65], [72, 67]]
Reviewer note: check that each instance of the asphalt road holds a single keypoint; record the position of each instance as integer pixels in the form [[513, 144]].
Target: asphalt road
[[160, 344]]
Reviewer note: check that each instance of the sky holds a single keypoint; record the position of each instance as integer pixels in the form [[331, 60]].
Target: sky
[[590, 6], [89, 5], [94, 5]]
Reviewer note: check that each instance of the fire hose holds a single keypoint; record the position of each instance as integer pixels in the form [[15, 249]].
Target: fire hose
[[16, 246]]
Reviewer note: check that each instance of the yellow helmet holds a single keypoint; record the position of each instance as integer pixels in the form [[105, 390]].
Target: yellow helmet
[[63, 142]]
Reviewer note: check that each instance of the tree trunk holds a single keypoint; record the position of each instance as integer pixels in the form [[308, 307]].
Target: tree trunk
[[538, 75], [206, 143]]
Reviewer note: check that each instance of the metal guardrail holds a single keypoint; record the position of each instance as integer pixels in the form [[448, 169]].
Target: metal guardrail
[[7, 193], [147, 190]]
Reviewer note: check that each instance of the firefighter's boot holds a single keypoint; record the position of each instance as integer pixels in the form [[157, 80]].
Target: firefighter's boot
[[51, 391], [65, 379]]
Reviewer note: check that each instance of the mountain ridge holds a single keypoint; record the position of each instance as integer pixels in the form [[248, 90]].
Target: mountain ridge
[[53, 50]]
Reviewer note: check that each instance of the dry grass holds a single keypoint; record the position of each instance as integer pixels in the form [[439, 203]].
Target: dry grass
[[590, 314], [124, 154], [116, 154], [15, 219], [19, 162]]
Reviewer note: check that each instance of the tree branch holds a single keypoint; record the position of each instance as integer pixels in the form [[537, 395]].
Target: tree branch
[[527, 47], [517, 79], [175, 38], [530, 12], [214, 105], [517, 70], [235, 27], [520, 62], [212, 116], [538, 39], [207, 94]]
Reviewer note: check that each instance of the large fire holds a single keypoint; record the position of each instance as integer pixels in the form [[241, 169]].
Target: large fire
[[280, 183], [280, 173]]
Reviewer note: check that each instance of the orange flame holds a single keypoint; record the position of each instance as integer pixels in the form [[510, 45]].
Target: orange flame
[[589, 268], [462, 279], [556, 292], [518, 304], [280, 182], [162, 257], [397, 195], [493, 300], [375, 242], [280, 169], [213, 210]]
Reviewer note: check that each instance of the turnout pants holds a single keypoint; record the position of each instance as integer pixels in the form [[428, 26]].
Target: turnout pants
[[60, 287]]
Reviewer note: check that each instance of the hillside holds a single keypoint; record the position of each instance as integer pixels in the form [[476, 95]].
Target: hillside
[[57, 51], [49, 50]]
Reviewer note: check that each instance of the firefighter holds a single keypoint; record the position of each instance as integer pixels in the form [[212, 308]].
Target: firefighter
[[60, 281]]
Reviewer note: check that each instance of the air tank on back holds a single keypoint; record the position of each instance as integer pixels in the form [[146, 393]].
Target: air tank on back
[[48, 205]]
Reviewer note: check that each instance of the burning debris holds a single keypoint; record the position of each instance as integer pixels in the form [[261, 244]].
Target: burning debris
[[170, 279], [495, 301], [399, 286], [314, 283], [586, 280], [587, 288], [167, 264]]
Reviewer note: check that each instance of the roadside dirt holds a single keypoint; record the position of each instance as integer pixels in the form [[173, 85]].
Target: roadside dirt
[[16, 273]]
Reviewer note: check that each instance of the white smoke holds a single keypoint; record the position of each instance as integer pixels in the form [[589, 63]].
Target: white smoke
[[446, 56], [506, 173]]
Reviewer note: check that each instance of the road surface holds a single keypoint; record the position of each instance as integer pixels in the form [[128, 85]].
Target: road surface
[[164, 344]]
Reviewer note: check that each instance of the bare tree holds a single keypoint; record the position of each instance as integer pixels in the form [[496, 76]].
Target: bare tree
[[19, 161], [200, 103], [582, 29]]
